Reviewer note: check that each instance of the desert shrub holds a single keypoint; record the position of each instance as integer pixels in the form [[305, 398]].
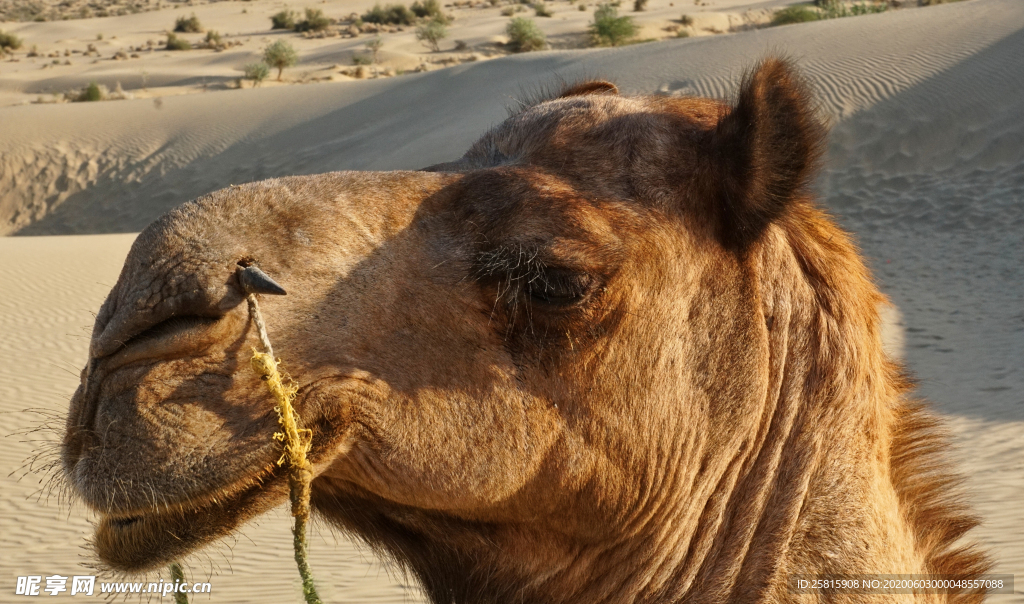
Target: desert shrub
[[392, 14], [865, 8], [315, 21], [829, 9], [257, 72], [609, 29], [639, 5], [374, 47], [834, 9], [686, 20], [92, 92], [541, 10], [524, 35], [283, 20], [358, 59], [176, 43], [9, 42], [795, 14], [213, 40], [508, 11], [279, 55], [188, 25], [428, 9], [431, 33]]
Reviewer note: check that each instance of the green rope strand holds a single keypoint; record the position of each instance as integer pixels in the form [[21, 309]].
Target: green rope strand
[[178, 575]]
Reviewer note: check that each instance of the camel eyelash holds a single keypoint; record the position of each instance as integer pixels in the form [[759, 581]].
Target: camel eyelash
[[519, 273]]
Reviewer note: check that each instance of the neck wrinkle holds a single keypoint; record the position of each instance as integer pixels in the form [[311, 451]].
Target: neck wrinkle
[[755, 516]]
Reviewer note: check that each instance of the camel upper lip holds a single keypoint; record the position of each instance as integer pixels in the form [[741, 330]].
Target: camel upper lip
[[200, 501], [236, 490]]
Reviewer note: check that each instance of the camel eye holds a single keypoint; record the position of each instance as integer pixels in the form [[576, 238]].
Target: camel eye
[[559, 287]]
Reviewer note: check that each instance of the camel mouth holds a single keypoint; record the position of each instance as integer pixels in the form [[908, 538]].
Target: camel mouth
[[143, 541], [123, 523]]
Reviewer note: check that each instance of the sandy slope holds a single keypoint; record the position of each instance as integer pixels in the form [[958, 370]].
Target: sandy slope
[[247, 27], [926, 166]]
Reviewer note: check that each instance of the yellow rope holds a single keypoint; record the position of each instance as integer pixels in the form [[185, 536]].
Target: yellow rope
[[297, 442]]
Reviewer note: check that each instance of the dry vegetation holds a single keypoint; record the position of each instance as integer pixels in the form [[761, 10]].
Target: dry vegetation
[[38, 10]]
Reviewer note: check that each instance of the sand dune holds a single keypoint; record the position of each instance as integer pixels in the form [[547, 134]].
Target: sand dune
[[129, 161], [925, 166]]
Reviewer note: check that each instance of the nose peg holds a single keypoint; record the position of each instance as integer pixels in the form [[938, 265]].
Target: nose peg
[[254, 281]]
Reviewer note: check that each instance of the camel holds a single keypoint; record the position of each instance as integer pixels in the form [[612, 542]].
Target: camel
[[615, 353]]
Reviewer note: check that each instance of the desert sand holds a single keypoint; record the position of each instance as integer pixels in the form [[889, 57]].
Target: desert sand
[[925, 166]]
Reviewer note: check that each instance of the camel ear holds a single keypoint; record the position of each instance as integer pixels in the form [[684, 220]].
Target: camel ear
[[592, 87], [764, 151]]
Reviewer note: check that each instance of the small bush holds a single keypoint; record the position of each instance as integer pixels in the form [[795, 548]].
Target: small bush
[[583, 8], [508, 11], [176, 43], [257, 72], [279, 55], [524, 35], [374, 47], [431, 33], [315, 21], [639, 5], [358, 59], [609, 29], [795, 14], [283, 20], [9, 42], [392, 14], [686, 20], [188, 25], [92, 92], [541, 10]]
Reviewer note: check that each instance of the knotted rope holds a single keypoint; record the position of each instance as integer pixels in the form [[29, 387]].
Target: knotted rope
[[296, 444]]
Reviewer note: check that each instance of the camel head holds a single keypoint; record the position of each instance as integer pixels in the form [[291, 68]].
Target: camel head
[[563, 351]]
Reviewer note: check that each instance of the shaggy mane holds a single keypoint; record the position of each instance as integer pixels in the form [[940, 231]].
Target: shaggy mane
[[931, 496]]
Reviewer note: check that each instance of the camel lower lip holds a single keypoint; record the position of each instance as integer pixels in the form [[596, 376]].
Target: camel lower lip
[[143, 542]]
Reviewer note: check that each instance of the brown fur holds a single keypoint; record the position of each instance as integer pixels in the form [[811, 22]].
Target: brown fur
[[615, 353]]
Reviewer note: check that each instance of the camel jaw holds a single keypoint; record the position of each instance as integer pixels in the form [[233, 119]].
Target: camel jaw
[[147, 540]]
